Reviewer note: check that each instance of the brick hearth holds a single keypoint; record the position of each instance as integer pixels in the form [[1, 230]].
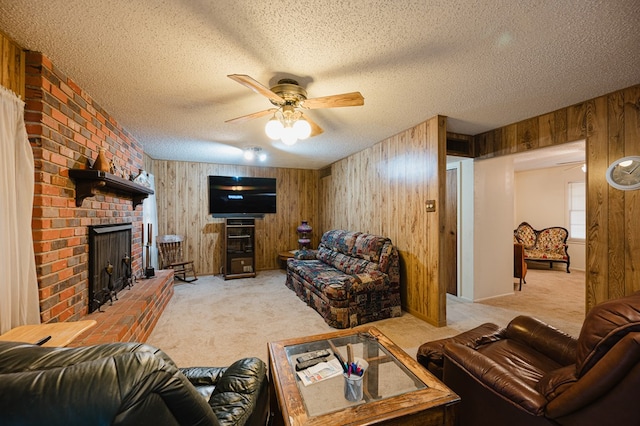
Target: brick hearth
[[133, 316]]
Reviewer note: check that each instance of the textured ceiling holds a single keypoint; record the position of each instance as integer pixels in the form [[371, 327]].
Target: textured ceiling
[[566, 155], [160, 67]]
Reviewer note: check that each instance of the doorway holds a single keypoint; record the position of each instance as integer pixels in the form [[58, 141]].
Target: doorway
[[478, 197], [451, 232]]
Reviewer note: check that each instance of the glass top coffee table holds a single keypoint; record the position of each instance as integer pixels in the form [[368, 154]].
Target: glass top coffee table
[[395, 388]]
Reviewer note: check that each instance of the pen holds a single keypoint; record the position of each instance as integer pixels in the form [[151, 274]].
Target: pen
[[43, 341], [339, 358]]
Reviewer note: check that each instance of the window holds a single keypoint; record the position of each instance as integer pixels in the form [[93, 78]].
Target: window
[[577, 210]]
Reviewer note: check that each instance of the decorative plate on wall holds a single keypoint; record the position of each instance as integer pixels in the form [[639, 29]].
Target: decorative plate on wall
[[624, 173]]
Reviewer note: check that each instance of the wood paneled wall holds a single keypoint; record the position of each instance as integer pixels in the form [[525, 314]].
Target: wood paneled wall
[[375, 191], [183, 208], [383, 190], [12, 66], [611, 126]]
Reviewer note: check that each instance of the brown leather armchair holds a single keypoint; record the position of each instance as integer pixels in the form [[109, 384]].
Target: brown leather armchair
[[530, 373]]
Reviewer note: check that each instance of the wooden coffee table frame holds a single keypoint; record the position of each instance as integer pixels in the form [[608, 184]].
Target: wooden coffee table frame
[[433, 405]]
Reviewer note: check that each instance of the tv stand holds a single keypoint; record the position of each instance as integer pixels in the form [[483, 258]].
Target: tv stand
[[239, 248]]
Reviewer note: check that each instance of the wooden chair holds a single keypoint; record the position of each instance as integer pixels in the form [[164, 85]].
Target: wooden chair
[[170, 249], [519, 265]]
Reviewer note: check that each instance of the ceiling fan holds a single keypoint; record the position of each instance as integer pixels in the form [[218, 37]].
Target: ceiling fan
[[288, 122]]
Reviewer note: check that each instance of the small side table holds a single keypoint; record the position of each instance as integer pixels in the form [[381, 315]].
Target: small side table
[[283, 256], [62, 333]]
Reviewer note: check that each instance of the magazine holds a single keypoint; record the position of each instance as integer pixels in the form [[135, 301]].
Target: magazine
[[321, 371]]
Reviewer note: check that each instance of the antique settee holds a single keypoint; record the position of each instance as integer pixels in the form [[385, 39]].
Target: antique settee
[[351, 279], [530, 373], [545, 245], [125, 384]]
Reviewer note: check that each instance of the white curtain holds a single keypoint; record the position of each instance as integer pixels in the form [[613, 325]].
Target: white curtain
[[18, 281], [150, 216]]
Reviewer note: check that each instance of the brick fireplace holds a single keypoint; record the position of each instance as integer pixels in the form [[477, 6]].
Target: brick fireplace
[[66, 129]]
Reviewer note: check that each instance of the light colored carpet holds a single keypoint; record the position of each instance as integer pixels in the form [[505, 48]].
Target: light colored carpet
[[214, 322]]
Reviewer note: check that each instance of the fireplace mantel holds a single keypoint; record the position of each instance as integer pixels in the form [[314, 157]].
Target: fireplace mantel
[[88, 182]]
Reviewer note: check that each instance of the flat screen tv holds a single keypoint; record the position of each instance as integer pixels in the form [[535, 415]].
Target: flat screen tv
[[229, 196]]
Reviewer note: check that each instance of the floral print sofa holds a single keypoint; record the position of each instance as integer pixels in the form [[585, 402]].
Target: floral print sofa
[[351, 279], [545, 245]]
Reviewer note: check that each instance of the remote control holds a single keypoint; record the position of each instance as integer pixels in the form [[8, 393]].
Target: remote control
[[313, 355], [309, 363]]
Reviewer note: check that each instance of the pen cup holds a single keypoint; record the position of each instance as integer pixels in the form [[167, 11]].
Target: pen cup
[[352, 387], [353, 382]]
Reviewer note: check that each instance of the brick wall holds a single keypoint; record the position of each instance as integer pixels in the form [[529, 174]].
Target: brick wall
[[66, 128]]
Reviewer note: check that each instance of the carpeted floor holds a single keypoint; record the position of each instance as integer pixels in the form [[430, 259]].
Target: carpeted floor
[[214, 322]]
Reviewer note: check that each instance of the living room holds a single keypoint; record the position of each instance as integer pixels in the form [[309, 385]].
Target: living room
[[381, 189]]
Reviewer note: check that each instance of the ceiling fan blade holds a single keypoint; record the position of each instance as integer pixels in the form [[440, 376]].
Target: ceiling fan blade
[[252, 116], [315, 129], [252, 84], [334, 101]]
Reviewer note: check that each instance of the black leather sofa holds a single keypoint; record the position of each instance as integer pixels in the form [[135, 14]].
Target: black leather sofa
[[530, 373], [125, 384]]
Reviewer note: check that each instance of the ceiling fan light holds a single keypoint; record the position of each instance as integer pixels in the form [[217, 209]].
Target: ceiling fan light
[[289, 136], [262, 156], [274, 128], [248, 154], [302, 128]]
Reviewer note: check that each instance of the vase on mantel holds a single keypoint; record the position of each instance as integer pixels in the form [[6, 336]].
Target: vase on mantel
[[304, 231], [101, 163]]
